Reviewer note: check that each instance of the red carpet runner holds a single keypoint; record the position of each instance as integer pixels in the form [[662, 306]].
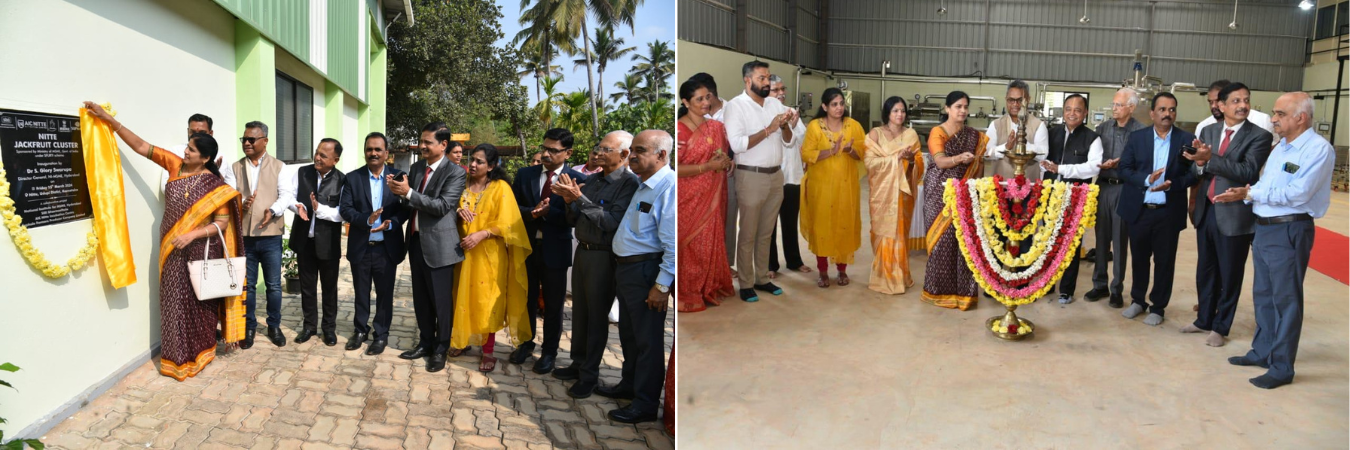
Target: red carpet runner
[[1329, 255]]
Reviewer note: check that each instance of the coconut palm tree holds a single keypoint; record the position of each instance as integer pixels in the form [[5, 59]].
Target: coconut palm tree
[[549, 100], [629, 90], [607, 48], [655, 66], [537, 64], [556, 19]]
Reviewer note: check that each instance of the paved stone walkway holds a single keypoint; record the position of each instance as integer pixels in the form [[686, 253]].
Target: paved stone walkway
[[312, 396]]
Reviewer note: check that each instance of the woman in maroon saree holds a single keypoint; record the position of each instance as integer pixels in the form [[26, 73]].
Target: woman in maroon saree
[[704, 275], [197, 203]]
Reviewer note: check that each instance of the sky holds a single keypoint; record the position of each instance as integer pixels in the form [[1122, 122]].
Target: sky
[[655, 21]]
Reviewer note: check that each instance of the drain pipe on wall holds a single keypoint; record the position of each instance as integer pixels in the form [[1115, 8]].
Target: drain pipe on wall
[[884, 65]]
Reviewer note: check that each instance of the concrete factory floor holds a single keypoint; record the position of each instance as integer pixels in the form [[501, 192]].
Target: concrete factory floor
[[846, 367]]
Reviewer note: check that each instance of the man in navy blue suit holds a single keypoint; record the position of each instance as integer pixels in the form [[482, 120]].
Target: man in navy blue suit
[[374, 242], [551, 238], [1153, 204]]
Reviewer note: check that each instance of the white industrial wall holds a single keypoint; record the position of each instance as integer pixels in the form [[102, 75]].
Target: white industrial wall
[[157, 62], [725, 66]]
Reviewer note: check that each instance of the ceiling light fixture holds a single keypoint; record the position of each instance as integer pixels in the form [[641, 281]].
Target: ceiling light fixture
[[1234, 25], [942, 8], [1306, 5], [1084, 20]]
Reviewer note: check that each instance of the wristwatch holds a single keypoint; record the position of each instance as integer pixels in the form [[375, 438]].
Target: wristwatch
[[663, 288]]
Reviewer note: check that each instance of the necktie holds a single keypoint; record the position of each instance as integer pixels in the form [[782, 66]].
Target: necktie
[[548, 183], [420, 187], [1223, 148]]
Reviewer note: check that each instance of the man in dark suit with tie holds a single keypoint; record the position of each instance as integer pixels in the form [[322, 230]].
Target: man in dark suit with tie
[[431, 191], [374, 242], [316, 235], [1153, 204], [1227, 155], [551, 238]]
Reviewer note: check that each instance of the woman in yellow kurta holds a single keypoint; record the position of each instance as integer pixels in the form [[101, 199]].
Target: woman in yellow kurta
[[490, 284], [830, 189], [894, 172]]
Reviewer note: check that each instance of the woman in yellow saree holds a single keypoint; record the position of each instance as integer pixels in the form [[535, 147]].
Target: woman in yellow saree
[[830, 215], [958, 152], [196, 204], [894, 170], [490, 284]]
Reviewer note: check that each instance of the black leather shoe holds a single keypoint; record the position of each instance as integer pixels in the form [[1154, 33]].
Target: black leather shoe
[[330, 338], [581, 390], [628, 414], [1117, 301], [436, 362], [376, 346], [355, 341], [616, 392], [247, 343], [566, 373], [1096, 294], [522, 353], [304, 335], [417, 352], [544, 364], [274, 334]]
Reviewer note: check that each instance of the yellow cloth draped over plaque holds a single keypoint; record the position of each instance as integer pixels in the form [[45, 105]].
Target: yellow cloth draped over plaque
[[103, 172]]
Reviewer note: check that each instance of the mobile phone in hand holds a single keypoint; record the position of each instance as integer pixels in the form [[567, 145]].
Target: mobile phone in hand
[[1188, 149]]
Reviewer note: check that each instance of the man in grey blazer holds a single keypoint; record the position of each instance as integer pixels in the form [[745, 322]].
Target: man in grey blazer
[[431, 190], [1226, 156]]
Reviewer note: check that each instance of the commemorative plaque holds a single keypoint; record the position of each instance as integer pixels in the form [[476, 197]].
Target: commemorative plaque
[[44, 163]]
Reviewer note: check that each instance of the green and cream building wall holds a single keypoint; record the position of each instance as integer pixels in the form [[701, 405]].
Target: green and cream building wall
[[310, 69]]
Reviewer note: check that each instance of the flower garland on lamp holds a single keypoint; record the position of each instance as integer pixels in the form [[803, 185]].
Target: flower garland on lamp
[[1064, 212], [34, 256]]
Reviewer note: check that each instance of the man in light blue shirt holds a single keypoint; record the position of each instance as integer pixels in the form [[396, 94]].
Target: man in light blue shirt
[[1294, 188], [644, 250]]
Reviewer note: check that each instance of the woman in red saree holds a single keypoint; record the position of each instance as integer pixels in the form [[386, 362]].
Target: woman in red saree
[[704, 275], [196, 204]]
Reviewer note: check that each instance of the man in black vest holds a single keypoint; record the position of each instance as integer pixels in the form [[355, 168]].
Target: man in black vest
[[315, 234], [551, 239], [374, 242], [1075, 156]]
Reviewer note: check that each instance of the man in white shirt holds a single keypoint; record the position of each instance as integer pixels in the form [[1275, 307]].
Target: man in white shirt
[[312, 193], [793, 169], [758, 128], [1075, 156], [198, 123], [257, 177], [1255, 117], [1002, 131]]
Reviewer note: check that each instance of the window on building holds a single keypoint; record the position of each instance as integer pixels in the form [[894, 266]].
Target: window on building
[[293, 135], [1342, 18], [1326, 22]]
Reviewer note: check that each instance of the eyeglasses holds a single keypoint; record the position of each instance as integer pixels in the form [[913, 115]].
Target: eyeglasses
[[1119, 105], [552, 150], [605, 150], [250, 140], [1014, 101]]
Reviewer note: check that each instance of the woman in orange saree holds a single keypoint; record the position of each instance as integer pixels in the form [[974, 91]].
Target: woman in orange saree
[[196, 204], [957, 152], [894, 169], [704, 275]]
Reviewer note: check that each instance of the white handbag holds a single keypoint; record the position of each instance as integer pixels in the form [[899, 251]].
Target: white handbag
[[216, 278]]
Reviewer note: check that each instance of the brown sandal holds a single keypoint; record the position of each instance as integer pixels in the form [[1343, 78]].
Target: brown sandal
[[843, 279], [454, 352], [488, 363], [823, 281]]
